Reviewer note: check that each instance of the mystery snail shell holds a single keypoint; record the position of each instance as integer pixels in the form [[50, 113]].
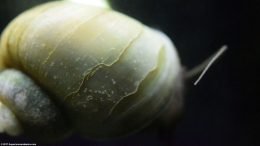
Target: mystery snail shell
[[106, 73]]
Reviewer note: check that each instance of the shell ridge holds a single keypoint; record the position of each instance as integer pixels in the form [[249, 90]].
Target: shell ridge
[[70, 32], [10, 33]]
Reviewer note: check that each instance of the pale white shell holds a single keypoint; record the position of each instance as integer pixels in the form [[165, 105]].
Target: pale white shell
[[111, 74]]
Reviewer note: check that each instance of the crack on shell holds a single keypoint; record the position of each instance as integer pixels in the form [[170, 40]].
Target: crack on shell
[[93, 70], [140, 83]]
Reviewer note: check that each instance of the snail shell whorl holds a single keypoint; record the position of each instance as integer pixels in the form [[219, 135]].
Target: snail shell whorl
[[112, 74], [36, 113]]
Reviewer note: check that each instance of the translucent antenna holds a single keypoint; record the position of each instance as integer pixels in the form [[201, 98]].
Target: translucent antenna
[[205, 65], [209, 64]]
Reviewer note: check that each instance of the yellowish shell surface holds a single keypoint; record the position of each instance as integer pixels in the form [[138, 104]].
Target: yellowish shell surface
[[112, 74]]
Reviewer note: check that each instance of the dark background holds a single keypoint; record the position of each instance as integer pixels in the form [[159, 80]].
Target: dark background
[[224, 109]]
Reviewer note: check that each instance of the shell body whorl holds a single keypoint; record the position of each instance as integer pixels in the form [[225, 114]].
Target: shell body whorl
[[112, 74]]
